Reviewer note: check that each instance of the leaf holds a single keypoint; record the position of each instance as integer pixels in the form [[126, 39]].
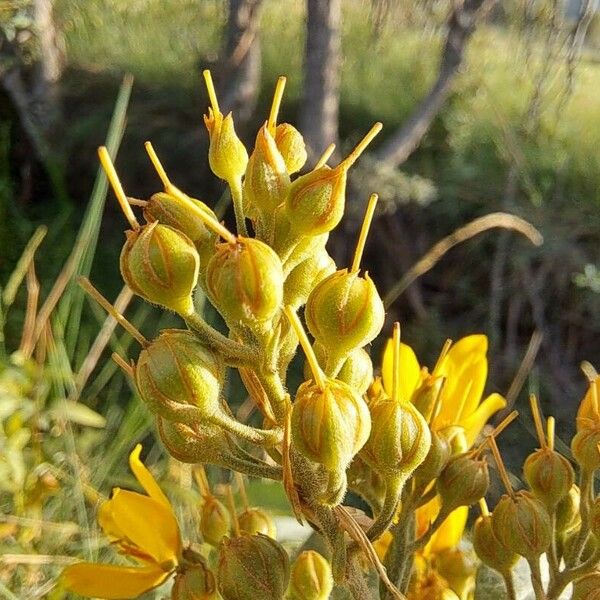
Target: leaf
[[79, 414]]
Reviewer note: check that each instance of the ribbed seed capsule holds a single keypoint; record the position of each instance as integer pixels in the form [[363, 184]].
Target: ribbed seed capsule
[[305, 276], [215, 521], [357, 371], [176, 371], [344, 312], [267, 180], [245, 281], [549, 475], [567, 511], [436, 459], [584, 446], [521, 522], [161, 265], [464, 481], [489, 548], [196, 582], [311, 577], [254, 520], [252, 567], [291, 146]]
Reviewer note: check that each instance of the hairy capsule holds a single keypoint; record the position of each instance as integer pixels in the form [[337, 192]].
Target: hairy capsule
[[227, 155], [490, 548], [255, 520], [215, 521], [464, 481], [196, 582], [584, 446], [291, 146], [549, 475], [311, 577]]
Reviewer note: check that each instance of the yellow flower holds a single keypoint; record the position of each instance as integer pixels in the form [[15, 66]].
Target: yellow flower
[[464, 370], [144, 529]]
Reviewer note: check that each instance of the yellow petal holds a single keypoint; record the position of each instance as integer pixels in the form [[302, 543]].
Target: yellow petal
[[147, 524], [475, 422], [111, 582], [450, 532], [586, 408], [410, 371], [466, 348], [147, 481]]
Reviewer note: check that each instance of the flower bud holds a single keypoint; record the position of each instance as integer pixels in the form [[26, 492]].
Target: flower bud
[[549, 475], [399, 440], [161, 265], [176, 370], [587, 588], [196, 582], [584, 446], [567, 511], [344, 312], [425, 397], [252, 567], [311, 577], [436, 459], [255, 520], [215, 521], [458, 568], [489, 548], [267, 180], [329, 425], [464, 481], [245, 281], [227, 155], [357, 371], [521, 522], [305, 276], [315, 202], [291, 146]]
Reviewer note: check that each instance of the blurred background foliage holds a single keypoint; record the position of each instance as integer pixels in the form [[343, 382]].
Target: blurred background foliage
[[516, 129]]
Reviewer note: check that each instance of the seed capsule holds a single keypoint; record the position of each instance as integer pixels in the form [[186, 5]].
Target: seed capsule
[[357, 371], [215, 522], [267, 180], [196, 582], [311, 577], [436, 459], [464, 481], [329, 425], [176, 371], [567, 511], [521, 522], [549, 475], [584, 446], [587, 588], [344, 312], [161, 265], [489, 548], [291, 146], [252, 567], [305, 276], [245, 281], [255, 520]]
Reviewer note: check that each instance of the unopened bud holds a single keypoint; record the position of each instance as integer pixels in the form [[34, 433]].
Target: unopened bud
[[458, 568], [196, 582], [176, 370], [227, 155], [521, 522], [567, 511], [291, 146], [584, 446], [245, 281], [311, 577], [215, 521], [255, 520], [549, 475], [305, 276], [252, 567], [357, 371], [344, 312], [161, 265], [464, 481], [436, 459]]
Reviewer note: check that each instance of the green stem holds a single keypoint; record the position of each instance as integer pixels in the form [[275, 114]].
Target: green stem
[[553, 563], [234, 353], [255, 468], [238, 206], [536, 578], [261, 437], [585, 486], [511, 593], [393, 491], [568, 575]]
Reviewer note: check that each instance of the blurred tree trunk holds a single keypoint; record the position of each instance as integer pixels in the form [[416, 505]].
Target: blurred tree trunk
[[461, 25], [322, 61], [240, 76]]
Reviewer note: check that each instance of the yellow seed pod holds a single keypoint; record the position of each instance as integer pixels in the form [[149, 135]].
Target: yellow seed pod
[[584, 446], [522, 523], [311, 577], [215, 521], [330, 424], [227, 155], [305, 276], [255, 520], [180, 214], [587, 588], [161, 265], [244, 281], [267, 181], [464, 480], [176, 370], [567, 511], [344, 312], [549, 475], [291, 146], [436, 459], [252, 567], [195, 582], [400, 438], [489, 548]]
